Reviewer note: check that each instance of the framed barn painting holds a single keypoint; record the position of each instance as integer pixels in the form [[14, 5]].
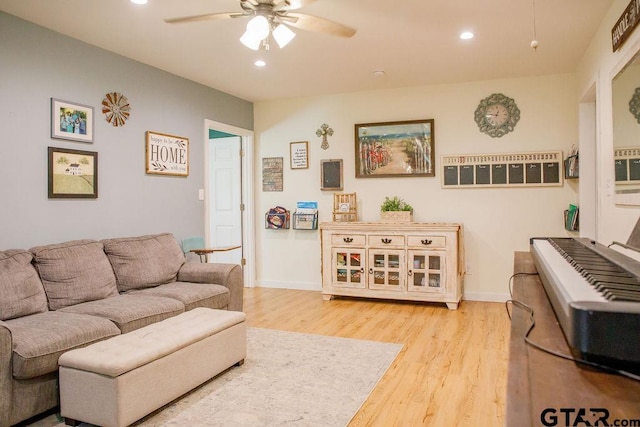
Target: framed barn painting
[[73, 174], [395, 149]]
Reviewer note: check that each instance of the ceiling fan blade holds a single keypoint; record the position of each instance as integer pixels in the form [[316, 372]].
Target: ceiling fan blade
[[205, 17], [313, 23], [248, 5], [292, 4]]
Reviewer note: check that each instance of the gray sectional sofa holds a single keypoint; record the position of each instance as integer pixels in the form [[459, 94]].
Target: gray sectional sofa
[[59, 297]]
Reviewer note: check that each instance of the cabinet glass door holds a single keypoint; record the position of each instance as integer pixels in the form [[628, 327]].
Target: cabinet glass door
[[348, 268], [386, 269], [426, 271]]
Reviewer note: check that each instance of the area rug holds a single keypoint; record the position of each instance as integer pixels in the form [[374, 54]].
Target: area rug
[[288, 378]]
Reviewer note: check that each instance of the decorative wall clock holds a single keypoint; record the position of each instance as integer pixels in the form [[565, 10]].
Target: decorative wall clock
[[634, 104], [116, 108], [497, 115]]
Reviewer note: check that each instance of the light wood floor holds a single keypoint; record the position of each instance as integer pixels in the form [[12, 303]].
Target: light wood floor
[[452, 370]]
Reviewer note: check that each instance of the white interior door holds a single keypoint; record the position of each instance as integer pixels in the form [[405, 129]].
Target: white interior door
[[225, 198]]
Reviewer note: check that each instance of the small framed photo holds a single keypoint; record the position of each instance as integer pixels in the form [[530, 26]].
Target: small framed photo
[[72, 121], [73, 174], [299, 152], [167, 154], [331, 175], [395, 149]]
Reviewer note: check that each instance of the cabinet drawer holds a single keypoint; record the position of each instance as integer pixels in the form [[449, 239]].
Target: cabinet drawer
[[348, 239], [426, 242], [386, 240]]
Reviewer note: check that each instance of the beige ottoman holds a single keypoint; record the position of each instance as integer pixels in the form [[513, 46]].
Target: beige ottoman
[[115, 382]]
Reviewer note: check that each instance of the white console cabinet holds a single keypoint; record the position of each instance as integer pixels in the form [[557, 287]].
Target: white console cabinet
[[401, 261]]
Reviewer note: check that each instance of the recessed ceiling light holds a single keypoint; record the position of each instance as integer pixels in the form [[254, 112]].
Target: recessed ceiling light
[[139, 1], [466, 35], [378, 73], [259, 63]]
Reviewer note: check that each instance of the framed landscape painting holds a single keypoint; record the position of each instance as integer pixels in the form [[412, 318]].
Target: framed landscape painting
[[400, 149], [73, 174], [71, 121]]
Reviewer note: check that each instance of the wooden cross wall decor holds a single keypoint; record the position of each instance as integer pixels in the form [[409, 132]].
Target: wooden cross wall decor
[[323, 132]]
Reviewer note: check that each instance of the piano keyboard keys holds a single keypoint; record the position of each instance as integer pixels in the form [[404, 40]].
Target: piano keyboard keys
[[613, 282]]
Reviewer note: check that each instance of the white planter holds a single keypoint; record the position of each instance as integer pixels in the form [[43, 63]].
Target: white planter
[[396, 216]]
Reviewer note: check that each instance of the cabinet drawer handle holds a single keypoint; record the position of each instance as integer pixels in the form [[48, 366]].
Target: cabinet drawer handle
[[347, 239], [386, 241], [371, 271], [410, 273], [426, 241]]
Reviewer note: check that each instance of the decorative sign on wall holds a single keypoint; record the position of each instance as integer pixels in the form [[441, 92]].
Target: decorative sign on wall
[[272, 174], [625, 24], [167, 154], [502, 170], [299, 152], [627, 165]]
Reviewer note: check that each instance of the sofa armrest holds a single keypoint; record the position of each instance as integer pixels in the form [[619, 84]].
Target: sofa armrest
[[228, 275], [6, 374]]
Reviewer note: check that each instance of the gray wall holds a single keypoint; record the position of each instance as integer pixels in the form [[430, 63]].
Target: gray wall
[[37, 64]]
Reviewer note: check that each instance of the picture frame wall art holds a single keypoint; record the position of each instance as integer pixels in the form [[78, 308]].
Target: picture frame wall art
[[72, 174], [299, 155], [272, 174], [167, 154], [71, 121], [395, 149], [331, 175]]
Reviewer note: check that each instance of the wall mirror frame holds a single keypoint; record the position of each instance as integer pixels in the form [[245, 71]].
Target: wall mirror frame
[[625, 78]]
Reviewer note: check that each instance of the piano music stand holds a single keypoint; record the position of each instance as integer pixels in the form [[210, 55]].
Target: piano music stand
[[633, 242]]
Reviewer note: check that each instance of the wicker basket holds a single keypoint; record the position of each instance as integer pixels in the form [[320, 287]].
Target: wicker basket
[[396, 216]]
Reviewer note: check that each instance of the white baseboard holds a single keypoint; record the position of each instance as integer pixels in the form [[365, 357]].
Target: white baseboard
[[300, 286], [312, 286], [485, 297]]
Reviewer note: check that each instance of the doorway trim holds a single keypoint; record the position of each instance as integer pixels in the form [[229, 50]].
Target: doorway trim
[[588, 189], [248, 220]]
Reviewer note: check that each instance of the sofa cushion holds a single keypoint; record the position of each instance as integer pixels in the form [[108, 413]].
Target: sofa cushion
[[74, 272], [192, 295], [130, 312], [40, 339], [145, 261], [21, 291]]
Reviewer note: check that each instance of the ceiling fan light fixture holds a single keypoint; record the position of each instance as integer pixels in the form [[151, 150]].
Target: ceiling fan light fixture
[[258, 27], [283, 35], [250, 41], [257, 30]]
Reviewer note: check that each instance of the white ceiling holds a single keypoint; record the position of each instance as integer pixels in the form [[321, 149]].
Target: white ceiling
[[414, 41]]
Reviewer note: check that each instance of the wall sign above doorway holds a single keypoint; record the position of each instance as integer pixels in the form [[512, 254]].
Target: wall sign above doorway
[[625, 25]]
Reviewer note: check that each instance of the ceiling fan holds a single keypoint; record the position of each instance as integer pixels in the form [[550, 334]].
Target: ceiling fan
[[273, 17]]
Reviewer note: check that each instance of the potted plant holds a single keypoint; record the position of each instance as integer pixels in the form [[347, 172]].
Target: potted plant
[[395, 210]]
